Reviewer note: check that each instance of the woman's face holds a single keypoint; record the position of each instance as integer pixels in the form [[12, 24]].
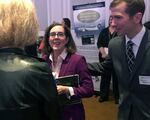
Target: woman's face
[[57, 38]]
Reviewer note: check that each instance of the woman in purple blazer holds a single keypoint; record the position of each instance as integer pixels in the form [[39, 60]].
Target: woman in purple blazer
[[60, 54]]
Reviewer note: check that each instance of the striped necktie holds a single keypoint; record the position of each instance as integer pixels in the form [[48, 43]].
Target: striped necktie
[[130, 56]]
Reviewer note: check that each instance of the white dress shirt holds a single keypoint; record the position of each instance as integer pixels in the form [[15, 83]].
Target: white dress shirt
[[56, 68], [137, 40]]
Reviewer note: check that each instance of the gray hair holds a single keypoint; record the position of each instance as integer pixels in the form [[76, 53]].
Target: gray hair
[[18, 23]]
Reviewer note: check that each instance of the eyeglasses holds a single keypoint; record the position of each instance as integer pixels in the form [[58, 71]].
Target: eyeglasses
[[59, 34]]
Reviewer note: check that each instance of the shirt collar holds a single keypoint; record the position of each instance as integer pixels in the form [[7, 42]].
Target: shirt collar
[[62, 55], [138, 38]]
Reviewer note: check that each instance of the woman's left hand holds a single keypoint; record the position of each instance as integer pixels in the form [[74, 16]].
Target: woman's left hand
[[62, 89]]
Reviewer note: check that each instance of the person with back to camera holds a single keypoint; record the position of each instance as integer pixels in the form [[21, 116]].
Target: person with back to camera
[[60, 54], [103, 40], [129, 55], [27, 90], [147, 24]]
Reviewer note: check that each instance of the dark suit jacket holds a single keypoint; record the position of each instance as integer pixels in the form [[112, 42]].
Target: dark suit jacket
[[27, 88], [76, 64], [134, 97]]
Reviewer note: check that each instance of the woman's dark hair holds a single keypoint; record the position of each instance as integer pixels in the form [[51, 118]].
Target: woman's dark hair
[[67, 22], [70, 46]]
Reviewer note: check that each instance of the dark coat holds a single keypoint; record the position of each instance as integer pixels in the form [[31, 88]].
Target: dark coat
[[27, 88], [134, 96]]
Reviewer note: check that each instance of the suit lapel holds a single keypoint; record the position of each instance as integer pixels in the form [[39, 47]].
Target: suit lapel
[[141, 52], [120, 48], [124, 57]]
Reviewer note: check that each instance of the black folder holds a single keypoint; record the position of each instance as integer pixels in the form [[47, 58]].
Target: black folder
[[69, 80], [72, 81]]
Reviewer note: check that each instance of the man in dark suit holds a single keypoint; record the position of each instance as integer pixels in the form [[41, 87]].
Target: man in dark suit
[[134, 84]]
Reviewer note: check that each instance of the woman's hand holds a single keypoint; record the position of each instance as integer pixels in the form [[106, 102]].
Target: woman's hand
[[62, 89]]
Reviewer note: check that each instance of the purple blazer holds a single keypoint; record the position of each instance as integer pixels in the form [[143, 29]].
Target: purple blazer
[[76, 64]]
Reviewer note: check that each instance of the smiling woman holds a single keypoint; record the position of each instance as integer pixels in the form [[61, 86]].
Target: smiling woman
[[60, 54]]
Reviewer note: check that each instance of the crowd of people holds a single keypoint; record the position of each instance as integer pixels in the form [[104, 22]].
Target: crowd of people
[[29, 90], [28, 86]]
